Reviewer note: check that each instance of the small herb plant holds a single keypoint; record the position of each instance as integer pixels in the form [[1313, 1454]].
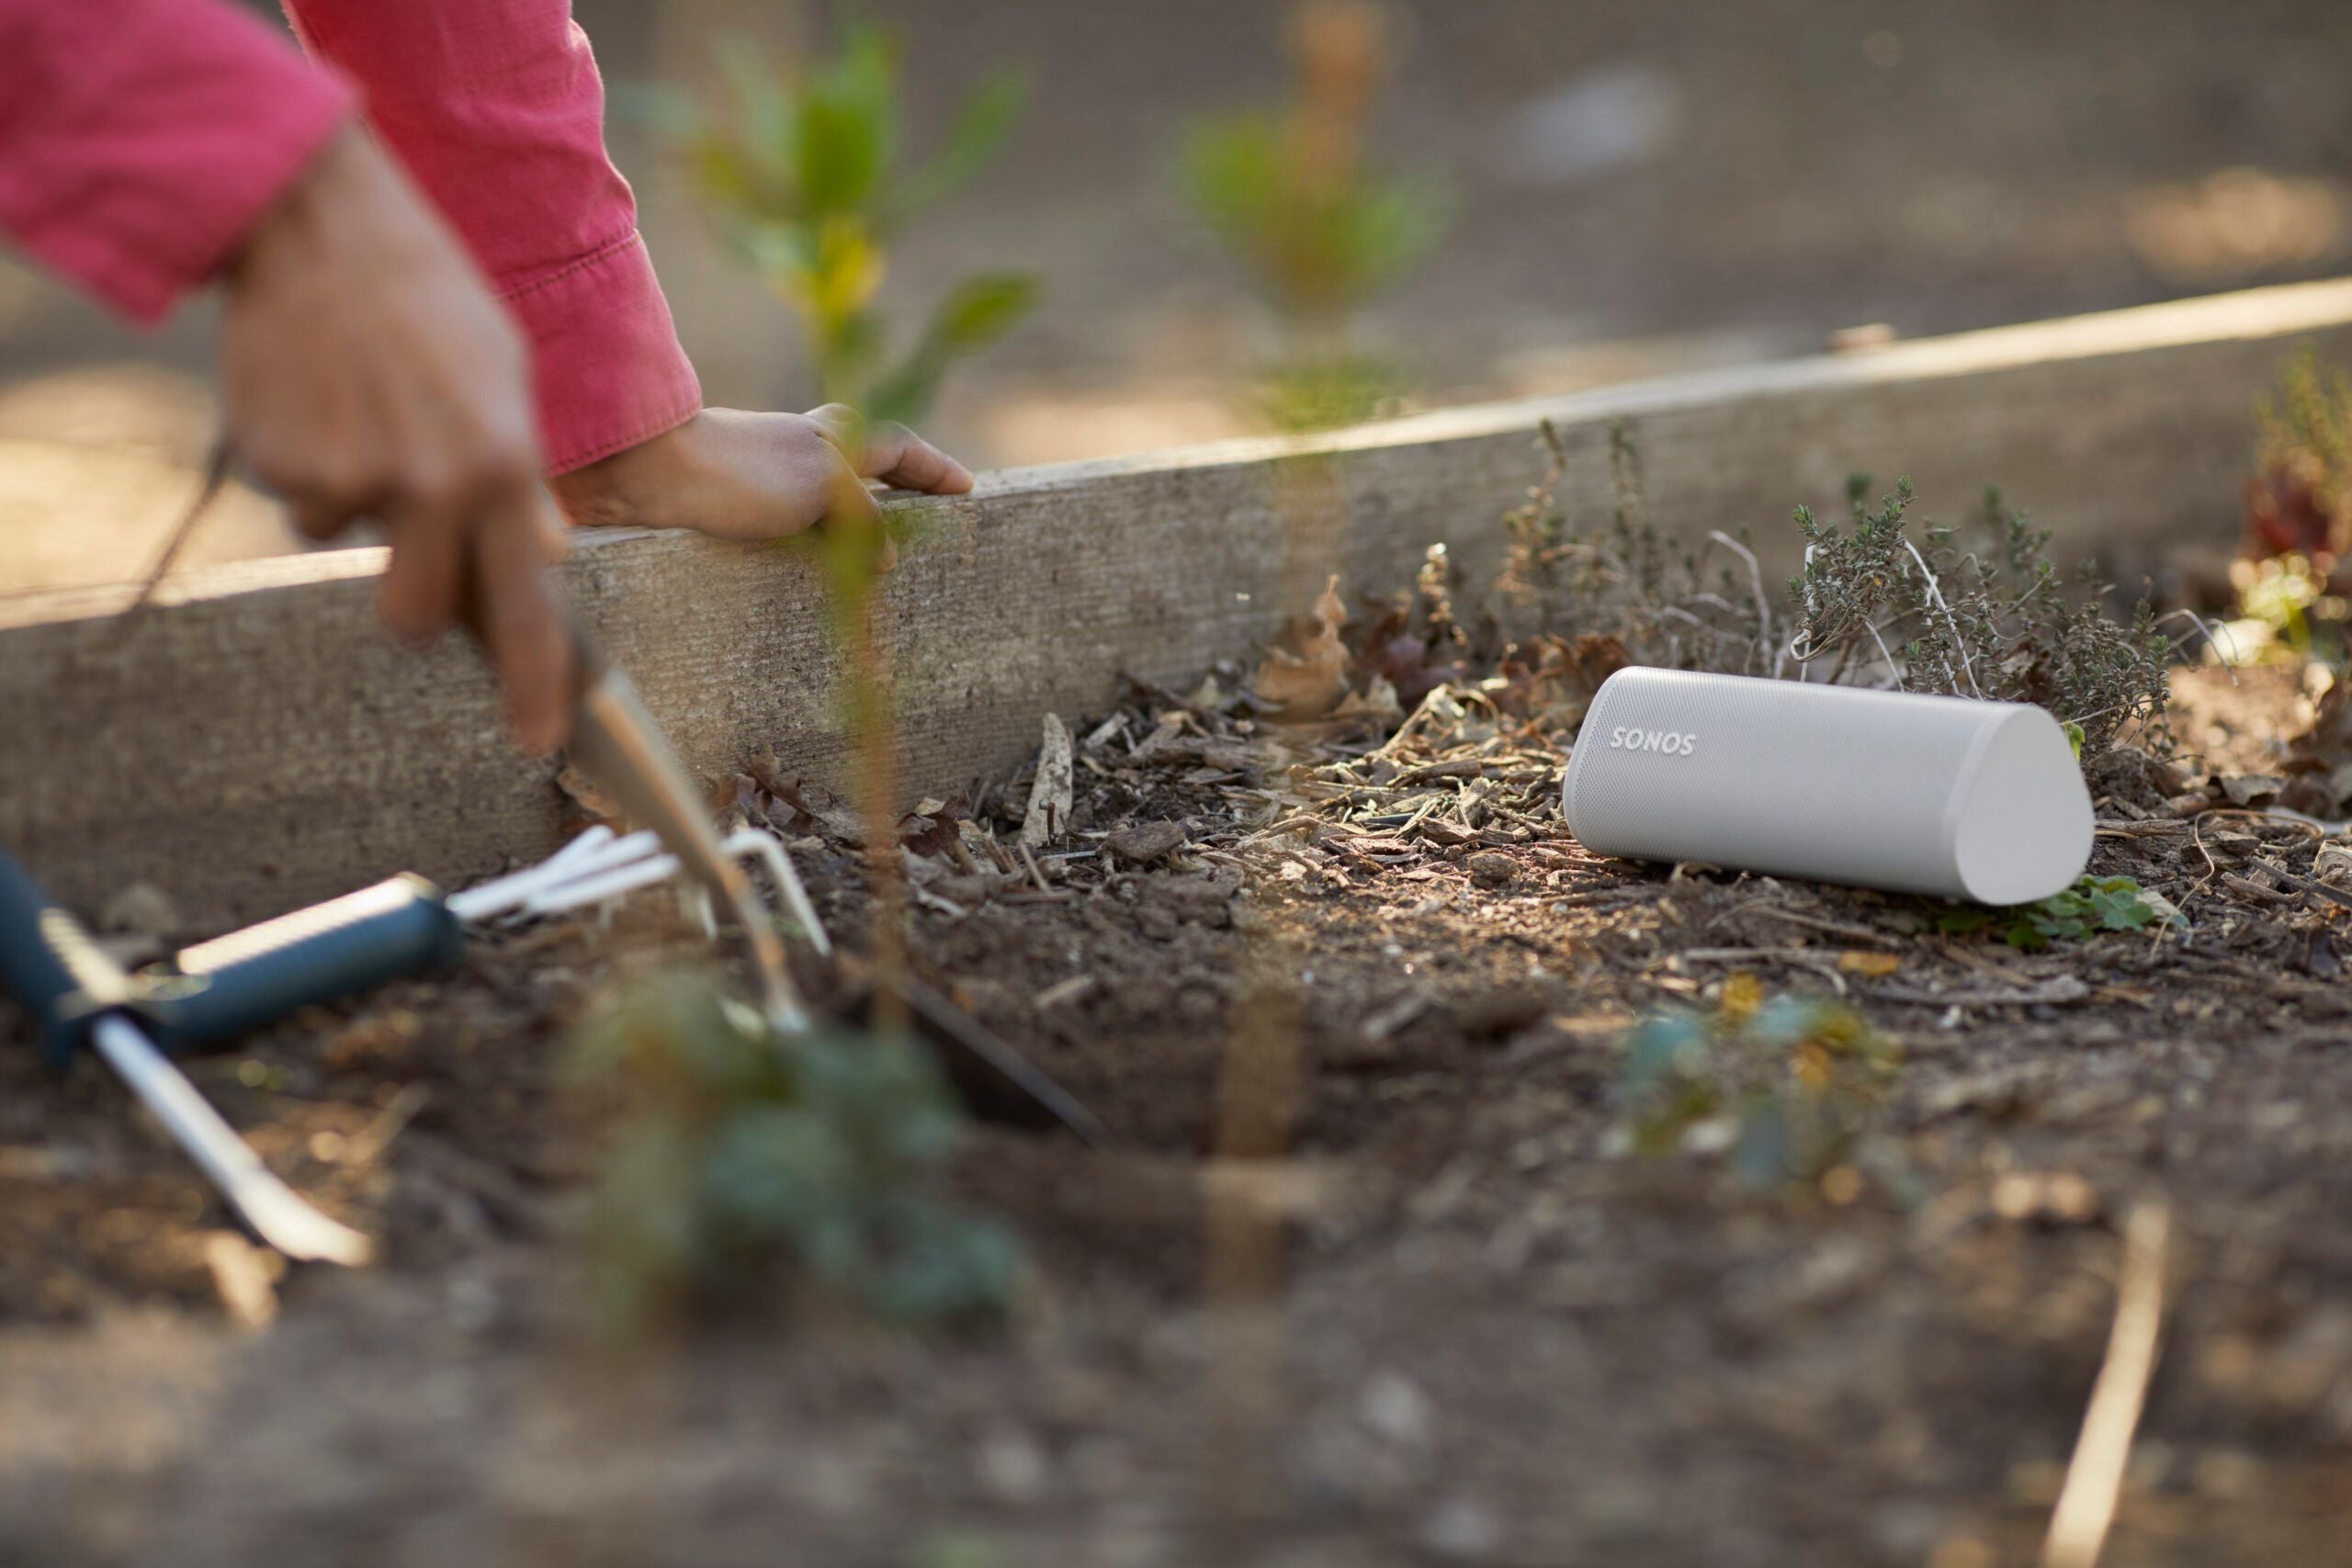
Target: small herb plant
[[801, 175], [1701, 607], [1786, 1085], [747, 1156], [1290, 193], [2095, 904], [1987, 617]]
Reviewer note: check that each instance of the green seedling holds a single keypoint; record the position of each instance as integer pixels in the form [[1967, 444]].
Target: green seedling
[[1290, 193], [1794, 1081], [801, 174], [2095, 904], [749, 1156]]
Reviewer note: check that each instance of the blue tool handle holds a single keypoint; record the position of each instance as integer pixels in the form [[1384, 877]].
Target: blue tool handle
[[49, 963], [236, 984]]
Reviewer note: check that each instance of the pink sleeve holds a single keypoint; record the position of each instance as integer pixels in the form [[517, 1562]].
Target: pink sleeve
[[141, 139], [495, 107]]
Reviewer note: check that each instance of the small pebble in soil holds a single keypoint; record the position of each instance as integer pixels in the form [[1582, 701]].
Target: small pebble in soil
[[1492, 869], [1145, 841]]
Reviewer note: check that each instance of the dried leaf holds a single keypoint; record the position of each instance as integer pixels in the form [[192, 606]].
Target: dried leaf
[[592, 802], [802, 806], [740, 792], [2247, 789], [1145, 841], [1306, 683], [1409, 661], [934, 826], [2285, 515], [1877, 966]]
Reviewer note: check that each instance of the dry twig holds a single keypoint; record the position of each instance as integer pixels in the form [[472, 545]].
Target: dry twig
[[2085, 1508]]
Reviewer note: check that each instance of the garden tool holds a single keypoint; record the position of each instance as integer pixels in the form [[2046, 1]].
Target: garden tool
[[615, 742], [217, 991], [220, 989], [76, 994]]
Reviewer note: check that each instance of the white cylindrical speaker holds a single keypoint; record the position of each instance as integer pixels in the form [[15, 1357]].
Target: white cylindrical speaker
[[1947, 796]]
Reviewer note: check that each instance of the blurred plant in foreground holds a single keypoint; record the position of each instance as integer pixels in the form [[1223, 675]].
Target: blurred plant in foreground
[[1290, 193], [747, 1157], [1787, 1084], [2291, 579], [802, 176]]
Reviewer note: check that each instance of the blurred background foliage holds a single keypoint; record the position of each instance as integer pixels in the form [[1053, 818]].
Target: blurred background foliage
[[802, 171], [1290, 193], [1628, 189]]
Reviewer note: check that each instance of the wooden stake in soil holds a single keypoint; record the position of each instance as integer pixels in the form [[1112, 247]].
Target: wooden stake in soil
[[1257, 1095], [1259, 1092], [2095, 1478]]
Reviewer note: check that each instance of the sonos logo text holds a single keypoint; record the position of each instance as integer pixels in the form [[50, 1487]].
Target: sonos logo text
[[1666, 742]]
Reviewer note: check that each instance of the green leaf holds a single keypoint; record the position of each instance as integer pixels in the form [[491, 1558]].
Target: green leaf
[[1662, 1045], [981, 127], [981, 310], [1786, 1020], [1764, 1154], [768, 133], [840, 153], [798, 175], [974, 313], [747, 1148]]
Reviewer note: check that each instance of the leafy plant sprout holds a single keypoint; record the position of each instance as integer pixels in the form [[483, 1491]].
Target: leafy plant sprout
[[2093, 905], [1787, 1087], [801, 175], [754, 1157]]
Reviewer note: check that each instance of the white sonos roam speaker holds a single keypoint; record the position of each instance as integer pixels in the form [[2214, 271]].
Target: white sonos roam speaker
[[1948, 796]]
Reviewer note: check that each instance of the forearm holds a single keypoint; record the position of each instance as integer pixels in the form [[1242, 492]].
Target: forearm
[[141, 139], [495, 107]]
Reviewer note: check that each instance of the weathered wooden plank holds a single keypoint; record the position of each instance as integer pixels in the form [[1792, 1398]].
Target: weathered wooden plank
[[253, 741]]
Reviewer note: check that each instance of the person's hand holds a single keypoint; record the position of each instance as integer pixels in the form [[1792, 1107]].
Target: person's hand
[[757, 476], [367, 372]]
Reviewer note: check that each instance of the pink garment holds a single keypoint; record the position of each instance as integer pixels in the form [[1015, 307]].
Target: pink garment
[[141, 139]]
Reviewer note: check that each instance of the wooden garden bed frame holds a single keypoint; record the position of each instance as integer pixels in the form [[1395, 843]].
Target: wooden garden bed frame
[[250, 741]]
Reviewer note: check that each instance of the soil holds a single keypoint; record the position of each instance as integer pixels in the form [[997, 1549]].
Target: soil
[[1371, 1275]]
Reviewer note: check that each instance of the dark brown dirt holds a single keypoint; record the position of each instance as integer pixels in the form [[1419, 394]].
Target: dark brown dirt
[[1402, 1300]]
